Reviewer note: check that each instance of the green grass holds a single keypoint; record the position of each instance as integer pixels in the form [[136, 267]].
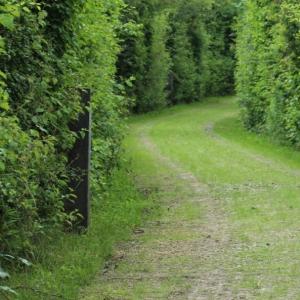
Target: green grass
[[257, 181], [70, 261]]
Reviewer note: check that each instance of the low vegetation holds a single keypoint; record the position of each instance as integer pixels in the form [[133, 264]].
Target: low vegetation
[[67, 262]]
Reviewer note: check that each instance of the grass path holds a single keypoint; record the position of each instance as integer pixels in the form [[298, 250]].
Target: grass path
[[229, 220]]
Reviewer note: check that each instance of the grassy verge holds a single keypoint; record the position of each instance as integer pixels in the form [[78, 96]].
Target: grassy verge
[[71, 261], [232, 129]]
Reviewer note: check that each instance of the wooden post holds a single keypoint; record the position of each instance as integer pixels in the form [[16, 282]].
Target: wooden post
[[80, 161]]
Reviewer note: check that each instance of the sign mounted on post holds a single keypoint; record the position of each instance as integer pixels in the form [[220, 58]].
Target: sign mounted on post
[[80, 162]]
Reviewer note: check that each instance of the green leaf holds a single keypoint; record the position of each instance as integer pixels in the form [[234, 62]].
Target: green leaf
[[3, 274], [4, 105], [8, 290], [25, 261], [7, 21], [2, 43], [26, 9], [2, 166], [2, 74], [6, 256]]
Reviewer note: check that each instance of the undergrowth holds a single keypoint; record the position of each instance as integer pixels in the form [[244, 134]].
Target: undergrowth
[[72, 261]]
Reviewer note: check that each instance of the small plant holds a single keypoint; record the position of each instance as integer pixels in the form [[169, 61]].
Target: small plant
[[5, 290]]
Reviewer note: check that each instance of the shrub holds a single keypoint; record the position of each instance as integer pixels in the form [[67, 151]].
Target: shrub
[[49, 51], [268, 68], [159, 67], [219, 58]]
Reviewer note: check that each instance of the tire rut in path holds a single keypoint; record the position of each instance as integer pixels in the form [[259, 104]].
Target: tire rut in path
[[186, 258], [212, 282], [277, 166]]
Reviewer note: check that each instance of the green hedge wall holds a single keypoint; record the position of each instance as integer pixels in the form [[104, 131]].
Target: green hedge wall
[[193, 41], [47, 51], [268, 68]]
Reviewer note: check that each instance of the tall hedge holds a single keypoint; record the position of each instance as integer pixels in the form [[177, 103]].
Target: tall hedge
[[155, 93], [187, 47], [48, 50], [196, 51], [268, 68], [219, 60]]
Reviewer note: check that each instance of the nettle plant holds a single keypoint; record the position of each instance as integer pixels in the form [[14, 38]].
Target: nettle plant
[[4, 289]]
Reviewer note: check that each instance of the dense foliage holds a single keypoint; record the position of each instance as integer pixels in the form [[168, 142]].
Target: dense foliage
[[177, 51], [163, 52], [154, 53], [48, 51], [268, 67]]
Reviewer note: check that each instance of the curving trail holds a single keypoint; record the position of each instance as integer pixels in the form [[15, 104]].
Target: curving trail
[[229, 221]]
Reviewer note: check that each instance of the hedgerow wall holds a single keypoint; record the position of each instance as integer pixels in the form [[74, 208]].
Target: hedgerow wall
[[49, 50], [177, 51], [268, 51]]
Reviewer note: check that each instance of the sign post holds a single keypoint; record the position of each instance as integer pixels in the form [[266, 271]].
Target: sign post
[[80, 162]]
